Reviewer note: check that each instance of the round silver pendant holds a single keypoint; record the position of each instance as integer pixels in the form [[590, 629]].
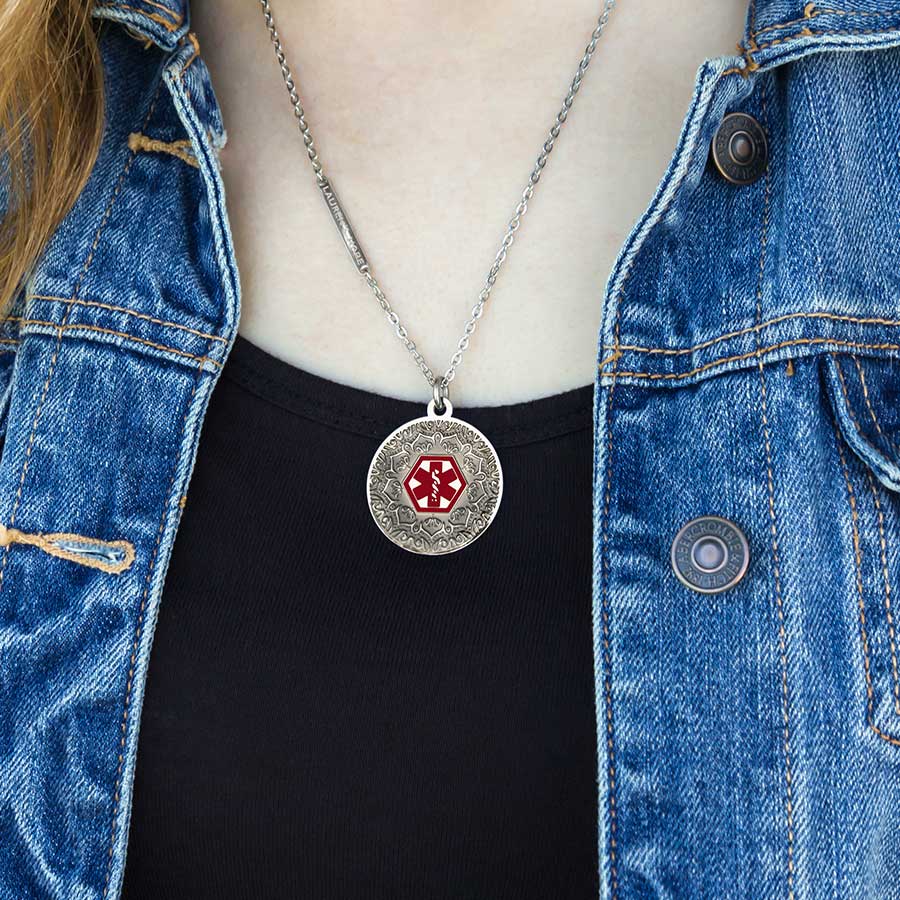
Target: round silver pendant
[[434, 484]]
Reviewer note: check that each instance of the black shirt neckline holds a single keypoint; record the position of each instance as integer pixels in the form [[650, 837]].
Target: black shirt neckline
[[374, 415]]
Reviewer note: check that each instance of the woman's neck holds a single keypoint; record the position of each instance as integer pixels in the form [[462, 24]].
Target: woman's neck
[[428, 117]]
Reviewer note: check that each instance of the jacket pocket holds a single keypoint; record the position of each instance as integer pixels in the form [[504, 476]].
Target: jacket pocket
[[865, 398]]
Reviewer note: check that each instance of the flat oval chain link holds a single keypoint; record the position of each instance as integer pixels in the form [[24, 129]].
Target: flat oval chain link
[[439, 386]]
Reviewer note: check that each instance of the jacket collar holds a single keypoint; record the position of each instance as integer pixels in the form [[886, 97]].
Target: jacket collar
[[164, 22], [779, 31]]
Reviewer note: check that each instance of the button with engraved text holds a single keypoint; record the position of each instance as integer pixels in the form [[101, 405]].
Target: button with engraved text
[[710, 554], [739, 149]]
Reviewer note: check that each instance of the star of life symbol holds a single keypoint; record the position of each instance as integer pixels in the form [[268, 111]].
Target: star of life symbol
[[434, 484]]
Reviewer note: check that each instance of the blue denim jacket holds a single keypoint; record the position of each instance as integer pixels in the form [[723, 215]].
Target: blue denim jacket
[[749, 741]]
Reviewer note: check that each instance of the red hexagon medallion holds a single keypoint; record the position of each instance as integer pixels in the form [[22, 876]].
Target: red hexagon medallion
[[434, 484]]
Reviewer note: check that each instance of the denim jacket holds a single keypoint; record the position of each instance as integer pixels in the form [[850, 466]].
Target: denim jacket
[[749, 740]]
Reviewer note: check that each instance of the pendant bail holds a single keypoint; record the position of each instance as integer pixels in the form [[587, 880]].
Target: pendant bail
[[440, 392], [440, 406]]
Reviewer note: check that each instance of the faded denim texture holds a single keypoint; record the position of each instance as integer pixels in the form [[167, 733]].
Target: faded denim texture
[[747, 368]]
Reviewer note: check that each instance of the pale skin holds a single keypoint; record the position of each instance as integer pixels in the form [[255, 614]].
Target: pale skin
[[428, 117]]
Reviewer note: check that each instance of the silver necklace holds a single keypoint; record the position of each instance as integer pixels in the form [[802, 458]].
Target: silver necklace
[[434, 484]]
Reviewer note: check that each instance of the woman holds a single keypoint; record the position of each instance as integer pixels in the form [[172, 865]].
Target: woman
[[604, 607]]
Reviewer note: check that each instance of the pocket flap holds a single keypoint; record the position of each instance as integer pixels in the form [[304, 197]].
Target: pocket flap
[[865, 396]]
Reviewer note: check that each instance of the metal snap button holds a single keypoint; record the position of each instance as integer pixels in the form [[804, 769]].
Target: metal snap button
[[739, 149], [710, 554]]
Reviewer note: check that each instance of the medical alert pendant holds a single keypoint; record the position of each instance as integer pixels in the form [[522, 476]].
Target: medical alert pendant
[[434, 484]]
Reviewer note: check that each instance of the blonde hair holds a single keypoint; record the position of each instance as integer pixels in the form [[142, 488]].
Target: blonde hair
[[51, 124]]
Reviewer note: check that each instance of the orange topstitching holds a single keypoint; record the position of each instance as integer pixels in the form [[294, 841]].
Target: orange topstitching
[[76, 326], [124, 309], [674, 376], [156, 17], [678, 351]]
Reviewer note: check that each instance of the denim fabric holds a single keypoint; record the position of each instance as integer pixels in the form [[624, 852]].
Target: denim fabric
[[749, 740], [126, 322]]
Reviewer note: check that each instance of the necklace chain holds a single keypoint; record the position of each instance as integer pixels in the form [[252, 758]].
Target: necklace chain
[[439, 385]]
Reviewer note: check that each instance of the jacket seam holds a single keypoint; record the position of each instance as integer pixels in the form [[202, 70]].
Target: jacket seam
[[881, 536], [868, 400], [889, 615], [175, 15], [131, 312], [76, 326], [846, 395], [680, 351], [809, 32], [604, 614], [810, 13], [861, 605], [762, 351], [155, 17]]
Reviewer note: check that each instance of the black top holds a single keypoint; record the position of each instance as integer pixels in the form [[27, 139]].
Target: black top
[[330, 716]]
